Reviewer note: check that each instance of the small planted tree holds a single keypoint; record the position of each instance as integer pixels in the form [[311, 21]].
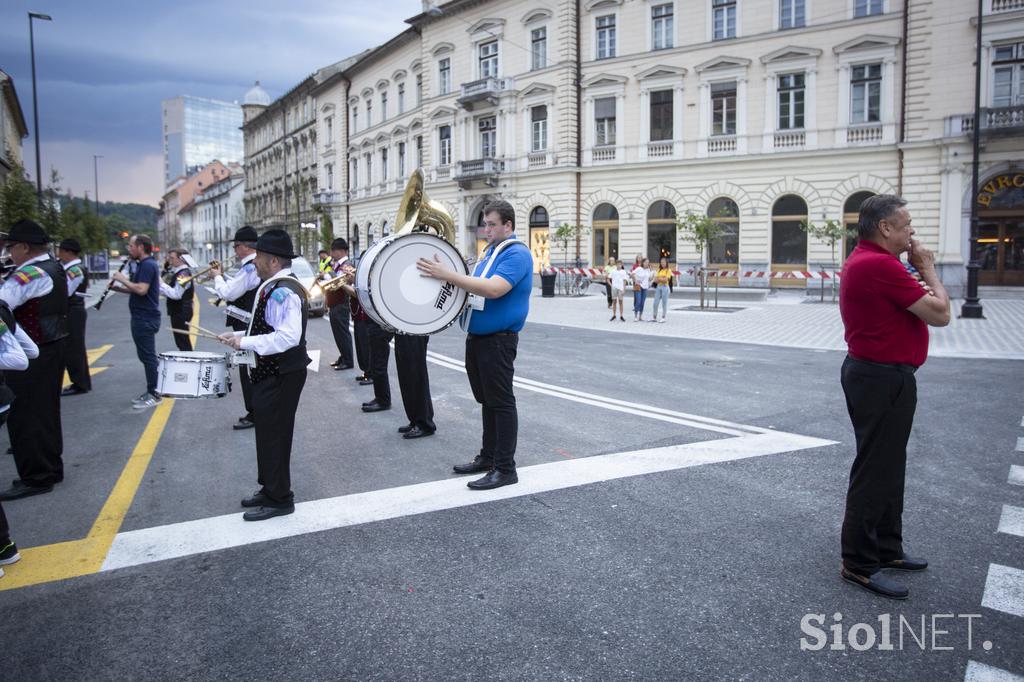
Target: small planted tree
[[569, 233], [700, 230], [17, 199], [831, 232], [326, 230]]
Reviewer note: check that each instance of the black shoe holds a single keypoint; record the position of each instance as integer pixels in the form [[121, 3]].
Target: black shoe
[[338, 368], [19, 490], [10, 451], [407, 428], [73, 390], [878, 583], [417, 432], [374, 406], [365, 381], [475, 467], [258, 499], [336, 362], [264, 513], [906, 564], [9, 553], [243, 423], [495, 478]]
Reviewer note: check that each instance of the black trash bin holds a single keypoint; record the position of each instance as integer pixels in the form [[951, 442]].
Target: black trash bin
[[547, 284]]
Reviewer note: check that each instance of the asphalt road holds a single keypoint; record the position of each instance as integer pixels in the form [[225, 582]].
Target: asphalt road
[[703, 572]]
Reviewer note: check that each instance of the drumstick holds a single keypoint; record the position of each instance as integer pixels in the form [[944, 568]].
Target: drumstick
[[207, 331], [203, 334]]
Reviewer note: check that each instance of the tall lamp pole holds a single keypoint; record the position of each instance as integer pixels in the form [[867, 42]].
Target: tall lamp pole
[[972, 303], [35, 102], [96, 182]]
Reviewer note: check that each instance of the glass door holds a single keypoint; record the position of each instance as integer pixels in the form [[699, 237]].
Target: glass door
[[1001, 253]]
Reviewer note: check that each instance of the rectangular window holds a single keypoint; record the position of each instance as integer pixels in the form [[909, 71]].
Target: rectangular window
[[401, 98], [662, 22], [401, 159], [383, 106], [723, 19], [488, 55], [865, 8], [369, 168], [723, 108], [866, 93], [538, 48], [488, 137], [329, 131], [419, 151], [369, 113], [661, 115], [605, 36], [604, 121], [383, 164], [444, 76], [791, 101], [330, 177], [444, 136], [419, 89], [538, 128], [1008, 75], [353, 174], [792, 13], [355, 119]]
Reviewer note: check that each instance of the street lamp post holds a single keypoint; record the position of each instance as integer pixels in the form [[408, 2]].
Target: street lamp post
[[96, 181], [35, 102], [972, 302]]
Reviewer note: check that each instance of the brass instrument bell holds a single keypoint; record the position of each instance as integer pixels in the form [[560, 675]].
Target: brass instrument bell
[[418, 213]]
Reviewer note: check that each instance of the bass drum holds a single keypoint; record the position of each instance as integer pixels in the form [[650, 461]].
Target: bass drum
[[397, 297]]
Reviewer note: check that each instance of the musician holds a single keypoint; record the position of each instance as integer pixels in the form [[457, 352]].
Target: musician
[[69, 253], [361, 337], [277, 335], [338, 301], [16, 349], [179, 289], [378, 343], [142, 283], [503, 287], [240, 293], [414, 383], [37, 294]]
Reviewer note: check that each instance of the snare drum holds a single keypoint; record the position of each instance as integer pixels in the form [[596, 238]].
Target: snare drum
[[397, 297], [193, 374]]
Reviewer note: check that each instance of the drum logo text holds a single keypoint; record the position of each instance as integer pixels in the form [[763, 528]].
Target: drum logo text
[[446, 290], [206, 377]]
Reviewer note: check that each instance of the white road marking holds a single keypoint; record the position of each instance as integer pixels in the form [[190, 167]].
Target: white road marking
[[615, 404], [1012, 521], [1016, 474], [1020, 444], [147, 545], [1004, 590], [979, 672]]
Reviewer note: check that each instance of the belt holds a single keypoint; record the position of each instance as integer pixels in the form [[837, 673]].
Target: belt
[[906, 369], [486, 336]]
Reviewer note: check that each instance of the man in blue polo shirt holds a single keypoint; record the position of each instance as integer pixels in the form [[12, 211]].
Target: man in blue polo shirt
[[501, 290], [144, 304]]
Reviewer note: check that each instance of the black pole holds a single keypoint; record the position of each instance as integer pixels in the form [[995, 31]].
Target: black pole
[[35, 107], [96, 182], [972, 304]]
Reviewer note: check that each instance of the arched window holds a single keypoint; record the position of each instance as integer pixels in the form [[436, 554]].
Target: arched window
[[789, 241], [606, 233], [661, 231], [355, 241], [851, 218], [726, 249], [384, 229], [369, 235], [540, 238]]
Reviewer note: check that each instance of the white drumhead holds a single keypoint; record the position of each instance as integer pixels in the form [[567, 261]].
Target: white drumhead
[[397, 296], [193, 374]]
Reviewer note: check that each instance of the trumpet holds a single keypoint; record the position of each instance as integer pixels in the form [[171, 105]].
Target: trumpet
[[348, 275], [213, 264]]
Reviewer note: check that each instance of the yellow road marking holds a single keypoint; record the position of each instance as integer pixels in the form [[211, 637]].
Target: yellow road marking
[[92, 354]]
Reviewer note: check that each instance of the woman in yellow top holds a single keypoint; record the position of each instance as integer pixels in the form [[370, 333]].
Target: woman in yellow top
[[608, 268], [663, 280]]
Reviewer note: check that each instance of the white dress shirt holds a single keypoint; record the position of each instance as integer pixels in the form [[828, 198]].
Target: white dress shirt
[[15, 294], [246, 278], [15, 351], [178, 290], [73, 281], [283, 313]]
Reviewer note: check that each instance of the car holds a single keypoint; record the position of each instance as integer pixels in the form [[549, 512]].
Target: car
[[307, 277]]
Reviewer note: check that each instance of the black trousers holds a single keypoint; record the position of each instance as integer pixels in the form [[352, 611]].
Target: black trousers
[[362, 345], [414, 381], [275, 401], [380, 353], [342, 335], [34, 422], [243, 372], [490, 364], [76, 360], [881, 402], [5, 529], [182, 320]]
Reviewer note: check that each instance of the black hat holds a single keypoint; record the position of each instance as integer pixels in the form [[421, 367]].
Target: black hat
[[246, 233], [71, 245], [276, 243], [339, 244], [27, 232]]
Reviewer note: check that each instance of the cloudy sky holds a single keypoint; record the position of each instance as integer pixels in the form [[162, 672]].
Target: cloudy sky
[[103, 66]]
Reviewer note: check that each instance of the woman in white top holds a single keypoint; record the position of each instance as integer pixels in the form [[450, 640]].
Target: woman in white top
[[642, 277]]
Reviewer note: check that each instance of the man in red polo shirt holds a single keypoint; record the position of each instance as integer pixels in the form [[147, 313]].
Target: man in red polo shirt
[[886, 313]]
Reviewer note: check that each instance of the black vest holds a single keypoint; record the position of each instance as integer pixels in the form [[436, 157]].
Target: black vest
[[79, 296], [45, 318], [290, 360], [183, 306], [244, 302], [6, 394]]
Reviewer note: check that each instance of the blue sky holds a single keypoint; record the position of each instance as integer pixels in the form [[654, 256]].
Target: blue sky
[[102, 68]]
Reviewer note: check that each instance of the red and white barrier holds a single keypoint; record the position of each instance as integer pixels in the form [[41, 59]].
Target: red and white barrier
[[748, 274]]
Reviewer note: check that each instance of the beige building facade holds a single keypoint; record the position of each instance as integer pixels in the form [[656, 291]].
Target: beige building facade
[[13, 128]]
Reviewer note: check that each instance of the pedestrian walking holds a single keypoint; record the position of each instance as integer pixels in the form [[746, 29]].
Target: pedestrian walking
[[642, 277], [663, 286]]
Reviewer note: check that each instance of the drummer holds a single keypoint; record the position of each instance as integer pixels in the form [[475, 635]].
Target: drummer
[[179, 289]]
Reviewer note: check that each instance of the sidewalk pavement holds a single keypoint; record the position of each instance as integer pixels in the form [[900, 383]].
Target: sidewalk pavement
[[788, 319]]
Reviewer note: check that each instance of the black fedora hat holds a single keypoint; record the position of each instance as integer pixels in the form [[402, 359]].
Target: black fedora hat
[[27, 232], [276, 243], [339, 244], [246, 233], [70, 244]]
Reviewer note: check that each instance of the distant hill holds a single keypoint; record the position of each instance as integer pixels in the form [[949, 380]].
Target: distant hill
[[139, 216]]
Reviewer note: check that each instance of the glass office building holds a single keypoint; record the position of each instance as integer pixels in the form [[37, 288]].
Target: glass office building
[[198, 131]]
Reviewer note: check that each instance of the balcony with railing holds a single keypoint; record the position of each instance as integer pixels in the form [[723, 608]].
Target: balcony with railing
[[785, 140], [722, 144], [604, 154], [864, 134], [660, 150], [325, 198], [995, 121], [479, 170], [485, 91], [1004, 5], [537, 160]]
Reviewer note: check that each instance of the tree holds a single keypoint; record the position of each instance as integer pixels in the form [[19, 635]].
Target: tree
[[832, 232], [569, 233], [17, 199], [700, 230], [326, 230]]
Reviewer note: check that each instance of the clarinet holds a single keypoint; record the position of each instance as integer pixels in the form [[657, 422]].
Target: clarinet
[[110, 286]]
